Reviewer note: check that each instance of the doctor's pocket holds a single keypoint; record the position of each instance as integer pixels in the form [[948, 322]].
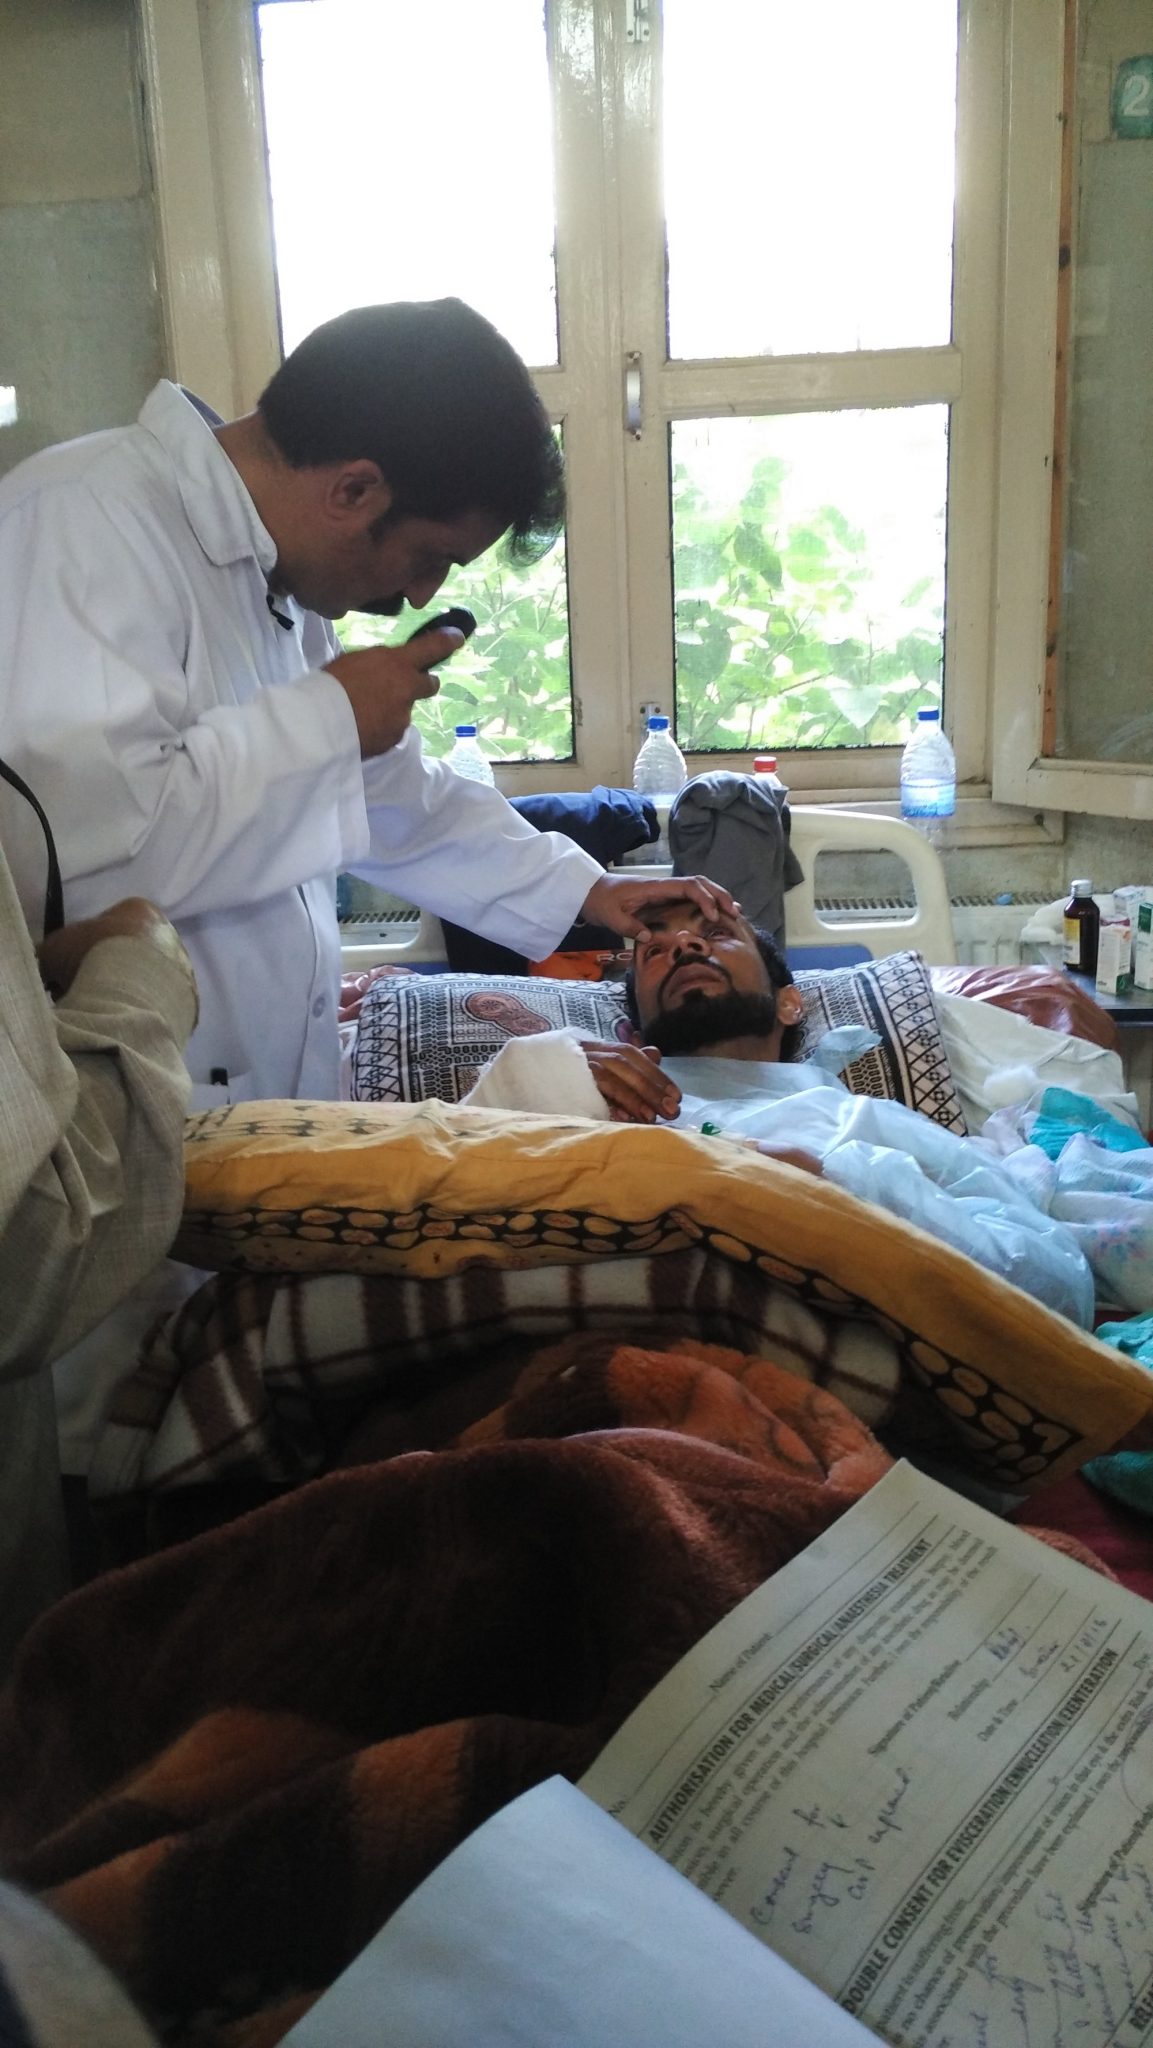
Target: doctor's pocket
[[220, 1089]]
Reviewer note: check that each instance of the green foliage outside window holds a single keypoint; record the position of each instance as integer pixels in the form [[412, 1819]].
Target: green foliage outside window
[[776, 645], [511, 679]]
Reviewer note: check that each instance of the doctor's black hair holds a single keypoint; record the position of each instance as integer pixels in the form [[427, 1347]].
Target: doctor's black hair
[[430, 392], [780, 976]]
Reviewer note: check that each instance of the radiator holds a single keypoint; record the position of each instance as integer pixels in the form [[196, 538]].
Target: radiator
[[987, 932]]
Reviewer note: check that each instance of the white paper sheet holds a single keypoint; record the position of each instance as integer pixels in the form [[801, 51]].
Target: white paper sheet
[[918, 1763], [551, 1927]]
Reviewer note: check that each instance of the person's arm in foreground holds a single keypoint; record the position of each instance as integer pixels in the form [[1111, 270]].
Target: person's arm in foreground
[[92, 1098]]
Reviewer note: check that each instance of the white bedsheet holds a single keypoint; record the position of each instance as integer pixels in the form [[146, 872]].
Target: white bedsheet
[[999, 1059], [880, 1151]]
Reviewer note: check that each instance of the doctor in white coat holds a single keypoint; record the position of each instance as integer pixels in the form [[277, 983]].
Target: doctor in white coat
[[172, 689]]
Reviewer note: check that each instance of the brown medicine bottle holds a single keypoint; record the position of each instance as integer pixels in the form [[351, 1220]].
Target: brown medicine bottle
[[1082, 929]]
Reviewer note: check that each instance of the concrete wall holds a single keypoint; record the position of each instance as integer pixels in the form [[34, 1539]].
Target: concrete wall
[[80, 336]]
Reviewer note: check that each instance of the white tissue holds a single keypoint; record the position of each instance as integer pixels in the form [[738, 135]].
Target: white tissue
[[1011, 1084]]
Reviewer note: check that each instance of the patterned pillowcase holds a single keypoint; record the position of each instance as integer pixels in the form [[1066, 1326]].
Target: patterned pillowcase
[[893, 997], [425, 1035]]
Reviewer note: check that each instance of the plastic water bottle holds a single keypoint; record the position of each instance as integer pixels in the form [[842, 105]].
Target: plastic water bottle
[[659, 769], [765, 771], [928, 776], [658, 772], [468, 757]]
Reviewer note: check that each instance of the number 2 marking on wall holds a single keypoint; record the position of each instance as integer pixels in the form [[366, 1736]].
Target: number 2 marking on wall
[[1136, 94]]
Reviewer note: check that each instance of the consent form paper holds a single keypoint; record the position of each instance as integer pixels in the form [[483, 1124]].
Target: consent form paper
[[918, 1763]]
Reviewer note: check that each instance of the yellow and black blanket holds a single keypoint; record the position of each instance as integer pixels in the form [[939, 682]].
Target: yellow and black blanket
[[456, 1227]]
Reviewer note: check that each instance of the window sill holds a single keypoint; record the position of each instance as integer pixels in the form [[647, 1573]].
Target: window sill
[[978, 821]]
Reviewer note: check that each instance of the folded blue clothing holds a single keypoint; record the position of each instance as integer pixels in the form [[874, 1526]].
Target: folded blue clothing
[[1127, 1476], [1062, 1114]]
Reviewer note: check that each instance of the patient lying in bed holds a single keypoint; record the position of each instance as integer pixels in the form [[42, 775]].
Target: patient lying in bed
[[714, 1014]]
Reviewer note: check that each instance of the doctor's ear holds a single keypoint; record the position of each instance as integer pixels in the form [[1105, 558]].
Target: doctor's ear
[[357, 491], [790, 1004]]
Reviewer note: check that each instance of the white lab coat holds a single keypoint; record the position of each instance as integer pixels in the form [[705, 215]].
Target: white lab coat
[[187, 747]]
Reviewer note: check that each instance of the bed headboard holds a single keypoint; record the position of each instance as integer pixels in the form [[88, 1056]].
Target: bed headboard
[[822, 828], [811, 940]]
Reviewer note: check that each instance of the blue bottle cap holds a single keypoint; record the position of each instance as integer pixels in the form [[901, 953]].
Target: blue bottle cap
[[658, 725], [928, 714], [466, 732]]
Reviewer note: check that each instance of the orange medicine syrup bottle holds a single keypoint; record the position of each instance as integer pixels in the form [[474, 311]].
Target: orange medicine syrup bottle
[[1082, 929]]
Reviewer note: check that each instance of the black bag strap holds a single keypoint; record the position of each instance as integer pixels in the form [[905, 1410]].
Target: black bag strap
[[54, 893]]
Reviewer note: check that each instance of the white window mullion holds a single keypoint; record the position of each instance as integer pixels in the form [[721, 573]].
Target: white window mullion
[[588, 270], [640, 213], [1027, 394], [236, 118], [757, 384], [214, 228], [195, 285], [977, 260]]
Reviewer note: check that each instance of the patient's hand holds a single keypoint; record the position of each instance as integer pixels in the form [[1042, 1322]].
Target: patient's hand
[[792, 1155], [630, 1079]]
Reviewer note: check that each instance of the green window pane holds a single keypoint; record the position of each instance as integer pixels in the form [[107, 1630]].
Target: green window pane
[[809, 577], [512, 678], [808, 174], [410, 157]]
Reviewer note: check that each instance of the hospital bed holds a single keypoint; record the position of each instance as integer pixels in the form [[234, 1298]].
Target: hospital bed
[[320, 1367]]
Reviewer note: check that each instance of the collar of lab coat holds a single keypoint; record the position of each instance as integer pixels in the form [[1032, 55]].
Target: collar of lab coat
[[219, 509]]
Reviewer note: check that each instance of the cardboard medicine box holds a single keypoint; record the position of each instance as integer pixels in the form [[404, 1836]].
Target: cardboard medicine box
[[1115, 957], [1143, 945]]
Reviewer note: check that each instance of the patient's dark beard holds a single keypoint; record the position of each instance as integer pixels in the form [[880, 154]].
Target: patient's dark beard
[[703, 1020]]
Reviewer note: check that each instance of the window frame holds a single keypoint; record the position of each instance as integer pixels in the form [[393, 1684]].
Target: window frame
[[203, 101], [1039, 255]]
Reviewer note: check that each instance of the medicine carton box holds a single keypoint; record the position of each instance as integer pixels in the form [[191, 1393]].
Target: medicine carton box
[[1114, 957], [1143, 946]]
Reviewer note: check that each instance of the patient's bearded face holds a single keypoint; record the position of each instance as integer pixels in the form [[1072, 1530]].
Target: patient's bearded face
[[700, 981]]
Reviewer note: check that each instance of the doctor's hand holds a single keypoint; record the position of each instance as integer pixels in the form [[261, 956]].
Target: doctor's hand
[[630, 1079], [617, 901], [383, 683], [62, 955]]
